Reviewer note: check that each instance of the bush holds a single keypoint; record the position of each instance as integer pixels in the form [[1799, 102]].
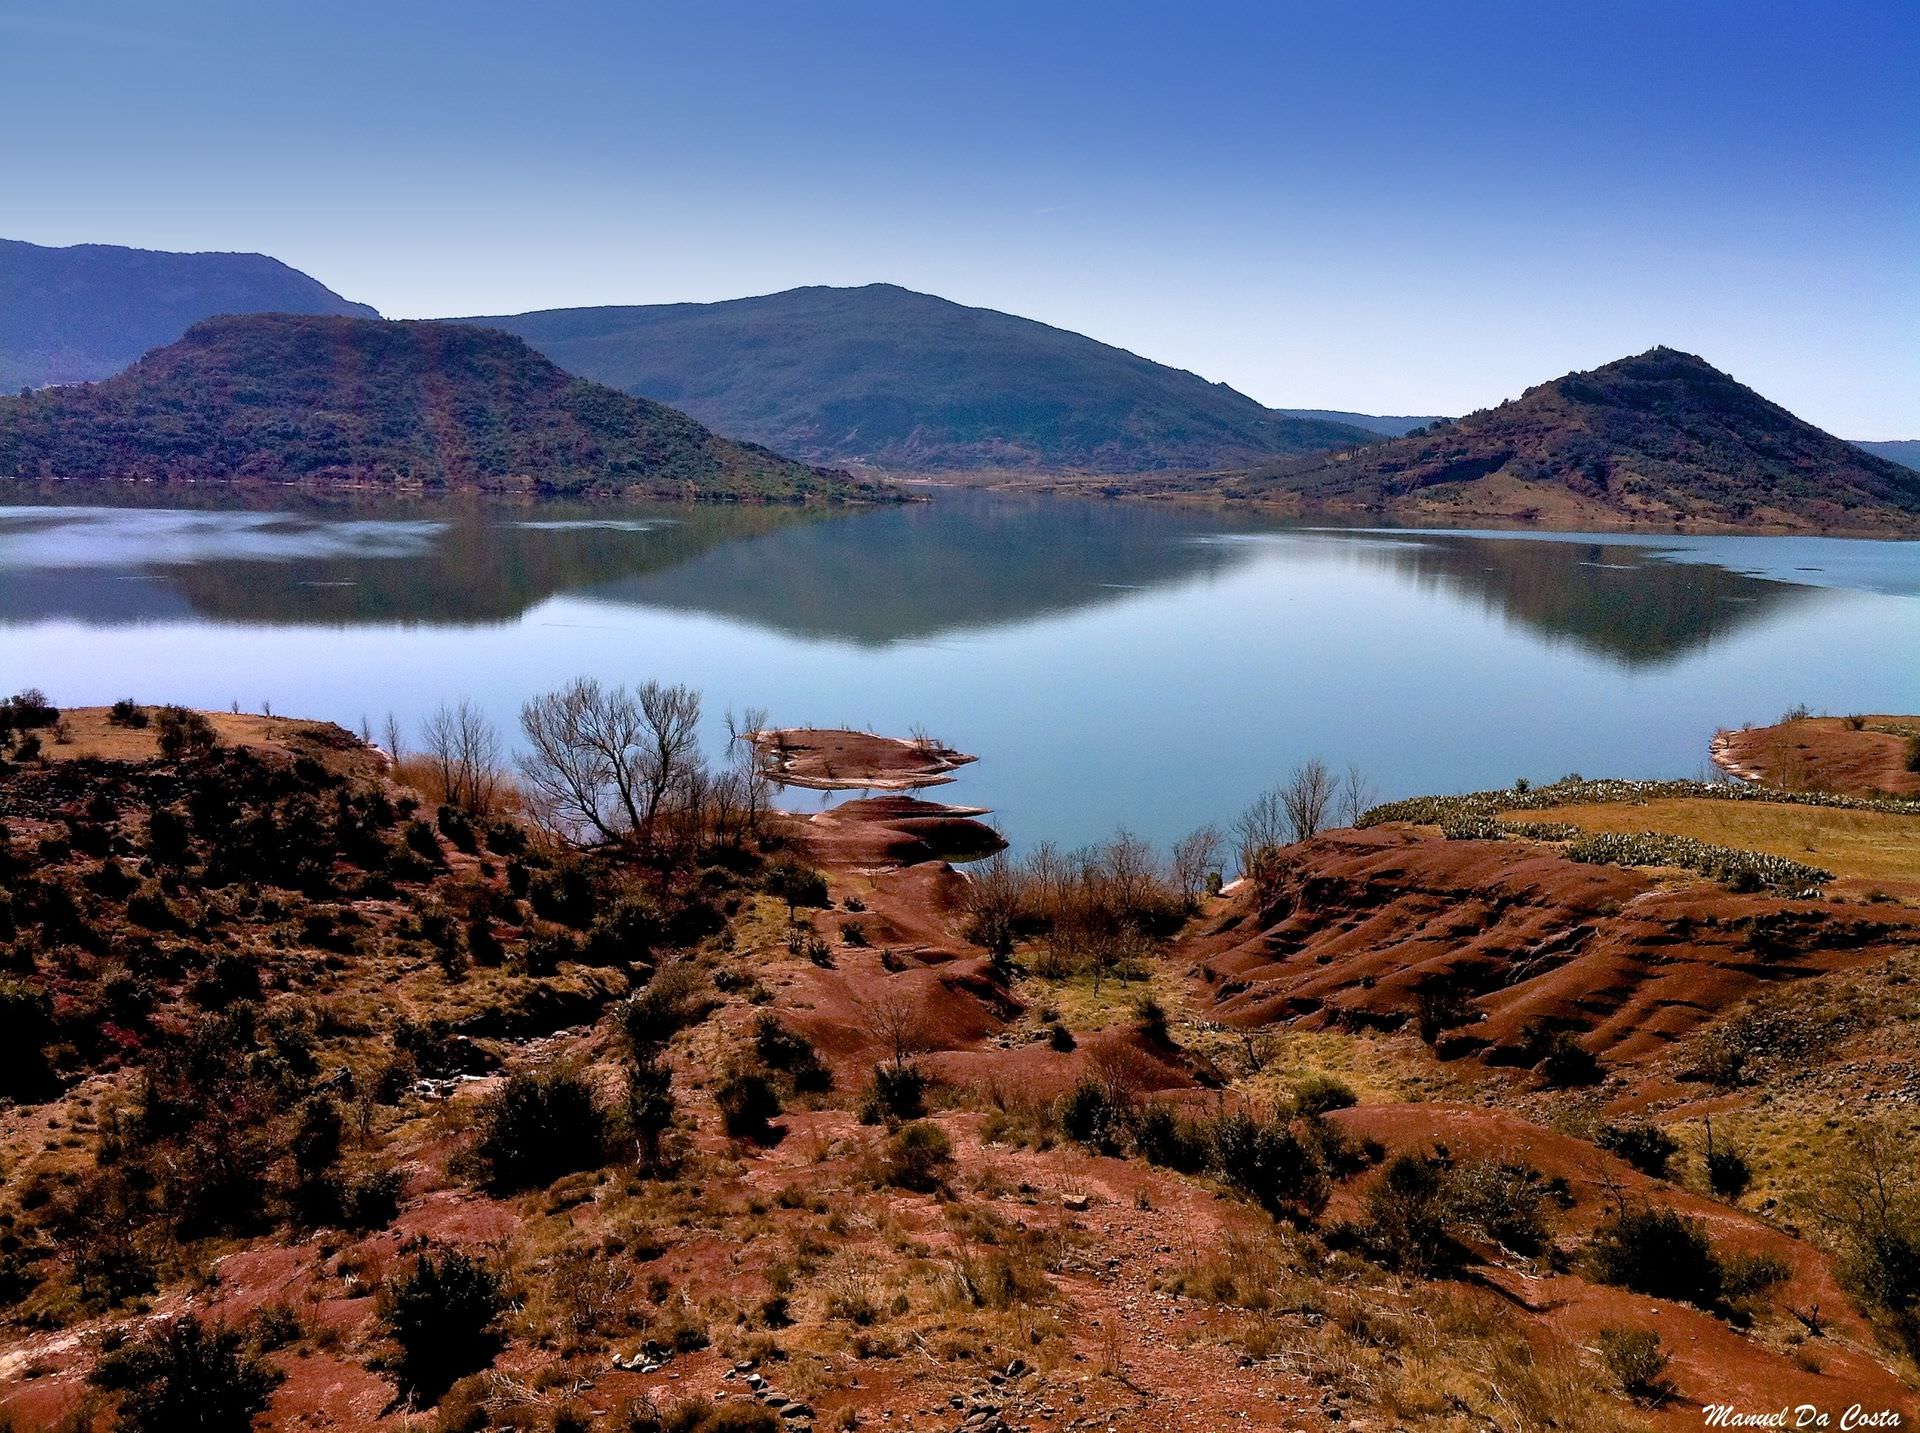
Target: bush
[[1510, 1204], [184, 732], [1322, 1094], [441, 1314], [1659, 1253], [749, 1104], [127, 713], [792, 1054], [1060, 1038], [1728, 1173], [1559, 1057], [1090, 1116], [539, 1126], [1150, 1019], [650, 1106], [1162, 1137], [1636, 1362], [797, 885], [457, 827], [670, 1002], [918, 1155], [1268, 1163], [1406, 1217], [373, 1200], [897, 1092], [185, 1375], [1646, 1147]]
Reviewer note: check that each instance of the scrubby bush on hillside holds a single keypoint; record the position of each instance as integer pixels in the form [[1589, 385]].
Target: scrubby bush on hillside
[[1637, 1364], [183, 732], [127, 713], [440, 1313], [896, 1092], [748, 1103], [183, 1375], [538, 1126], [792, 1054], [1646, 1147], [917, 1156]]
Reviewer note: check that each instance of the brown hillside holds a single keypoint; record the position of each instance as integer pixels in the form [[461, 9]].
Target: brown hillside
[[1662, 438]]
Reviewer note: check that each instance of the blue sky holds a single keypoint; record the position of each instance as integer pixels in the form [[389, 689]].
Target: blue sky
[[1381, 206]]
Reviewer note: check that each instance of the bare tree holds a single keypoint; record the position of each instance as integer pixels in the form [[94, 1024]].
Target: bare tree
[[1261, 827], [604, 762], [1357, 796], [464, 750], [1194, 855], [392, 738], [896, 1019], [1307, 797]]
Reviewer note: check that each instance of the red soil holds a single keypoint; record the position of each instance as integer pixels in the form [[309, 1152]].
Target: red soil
[[1711, 1361], [1823, 754], [1628, 965]]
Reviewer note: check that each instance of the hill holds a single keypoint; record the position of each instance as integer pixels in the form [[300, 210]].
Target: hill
[[907, 381], [1387, 425], [287, 398], [1904, 451], [1663, 437], [77, 314]]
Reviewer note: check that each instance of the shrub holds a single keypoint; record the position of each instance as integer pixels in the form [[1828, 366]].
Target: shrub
[[1636, 1362], [441, 1314], [650, 1106], [897, 1092], [1322, 1094], [1150, 1019], [1510, 1204], [1559, 1057], [670, 1002], [457, 827], [373, 1200], [1090, 1116], [794, 883], [1060, 1038], [184, 732], [538, 1126], [1406, 1217], [748, 1103], [1268, 1163], [1728, 1173], [1162, 1137], [918, 1155], [791, 1053], [185, 1375], [127, 713], [1646, 1147], [1659, 1253]]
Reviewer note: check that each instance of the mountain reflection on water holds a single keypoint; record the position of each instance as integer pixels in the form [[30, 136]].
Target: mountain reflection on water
[[966, 562]]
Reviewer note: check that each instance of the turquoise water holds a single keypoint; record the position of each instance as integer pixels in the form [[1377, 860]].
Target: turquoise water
[[1111, 663]]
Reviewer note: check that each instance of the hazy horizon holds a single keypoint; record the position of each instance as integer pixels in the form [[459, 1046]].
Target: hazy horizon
[[1368, 208]]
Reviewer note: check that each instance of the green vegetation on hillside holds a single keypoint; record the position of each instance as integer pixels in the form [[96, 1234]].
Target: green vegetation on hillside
[[282, 398], [908, 381]]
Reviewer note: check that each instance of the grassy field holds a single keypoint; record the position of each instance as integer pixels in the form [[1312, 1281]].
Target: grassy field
[[1870, 846]]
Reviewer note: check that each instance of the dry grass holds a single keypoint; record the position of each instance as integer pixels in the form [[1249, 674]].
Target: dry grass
[[1869, 846]]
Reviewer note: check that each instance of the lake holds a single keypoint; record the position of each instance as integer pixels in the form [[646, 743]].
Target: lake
[[1110, 663]]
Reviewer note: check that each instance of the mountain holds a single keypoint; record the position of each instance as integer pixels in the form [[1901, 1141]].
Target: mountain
[[77, 314], [1386, 425], [903, 380], [1904, 451], [1663, 437], [299, 398]]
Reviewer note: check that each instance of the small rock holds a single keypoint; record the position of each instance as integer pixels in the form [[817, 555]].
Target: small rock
[[1076, 1203]]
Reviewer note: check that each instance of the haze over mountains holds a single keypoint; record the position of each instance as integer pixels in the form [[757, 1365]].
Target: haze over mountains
[[910, 382], [282, 397], [1662, 437], [76, 314]]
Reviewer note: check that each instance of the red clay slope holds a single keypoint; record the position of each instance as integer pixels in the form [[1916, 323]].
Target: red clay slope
[[1363, 918]]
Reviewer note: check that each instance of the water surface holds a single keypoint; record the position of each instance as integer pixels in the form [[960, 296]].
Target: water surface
[[1111, 663]]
